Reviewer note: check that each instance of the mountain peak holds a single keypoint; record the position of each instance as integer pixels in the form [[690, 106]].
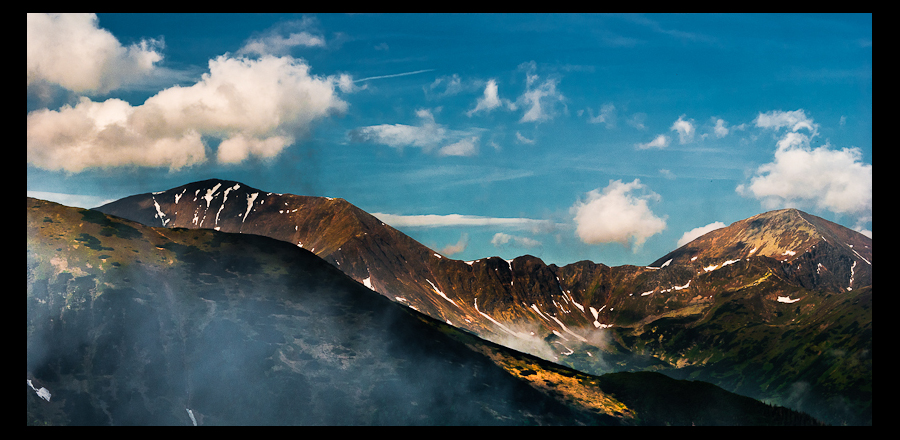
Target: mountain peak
[[782, 234]]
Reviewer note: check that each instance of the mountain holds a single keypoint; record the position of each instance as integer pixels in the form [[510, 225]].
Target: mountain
[[135, 325], [775, 307]]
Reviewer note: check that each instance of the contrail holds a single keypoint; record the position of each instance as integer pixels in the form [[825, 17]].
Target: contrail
[[394, 75]]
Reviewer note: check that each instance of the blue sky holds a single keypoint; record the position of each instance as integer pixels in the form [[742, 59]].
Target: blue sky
[[612, 138]]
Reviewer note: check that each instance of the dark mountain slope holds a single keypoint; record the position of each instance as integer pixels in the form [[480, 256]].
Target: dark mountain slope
[[134, 325]]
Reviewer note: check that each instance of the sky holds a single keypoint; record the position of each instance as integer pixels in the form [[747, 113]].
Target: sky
[[610, 138]]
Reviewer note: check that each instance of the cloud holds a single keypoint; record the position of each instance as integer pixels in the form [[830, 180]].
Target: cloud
[[72, 51], [836, 180], [684, 128], [428, 135], [523, 140], [255, 107], [795, 120], [697, 232], [539, 99], [490, 100], [274, 41], [464, 147], [660, 142], [617, 214], [453, 220], [502, 240], [607, 115], [799, 175], [460, 246], [720, 129]]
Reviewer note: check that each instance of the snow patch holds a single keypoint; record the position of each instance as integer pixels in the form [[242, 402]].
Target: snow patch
[[787, 299], [436, 255], [209, 194], [502, 327], [666, 263], [368, 283], [250, 199], [860, 256], [791, 253], [191, 414], [441, 293], [178, 196], [43, 393], [159, 214]]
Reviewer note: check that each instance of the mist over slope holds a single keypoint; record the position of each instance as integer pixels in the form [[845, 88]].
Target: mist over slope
[[128, 324]]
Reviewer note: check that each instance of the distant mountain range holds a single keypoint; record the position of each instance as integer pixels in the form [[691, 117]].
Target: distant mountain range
[[776, 306], [135, 325]]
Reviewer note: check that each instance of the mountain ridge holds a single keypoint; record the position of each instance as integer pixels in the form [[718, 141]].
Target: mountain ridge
[[129, 324], [779, 268]]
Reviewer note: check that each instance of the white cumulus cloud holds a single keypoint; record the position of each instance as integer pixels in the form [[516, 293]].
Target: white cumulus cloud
[[697, 232], [254, 106], [71, 50], [799, 175], [618, 213]]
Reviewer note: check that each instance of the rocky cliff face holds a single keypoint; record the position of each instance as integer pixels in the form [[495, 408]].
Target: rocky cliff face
[[784, 271]]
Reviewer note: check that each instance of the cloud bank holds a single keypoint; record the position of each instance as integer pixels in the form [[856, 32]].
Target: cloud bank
[[71, 50], [618, 213], [256, 107], [799, 175]]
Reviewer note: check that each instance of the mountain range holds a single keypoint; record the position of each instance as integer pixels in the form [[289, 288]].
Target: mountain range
[[129, 324], [776, 307]]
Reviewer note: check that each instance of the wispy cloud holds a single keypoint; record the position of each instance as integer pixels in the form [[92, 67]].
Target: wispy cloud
[[393, 75], [539, 98], [460, 246], [503, 240], [280, 39], [455, 220], [428, 135], [490, 100], [659, 142]]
